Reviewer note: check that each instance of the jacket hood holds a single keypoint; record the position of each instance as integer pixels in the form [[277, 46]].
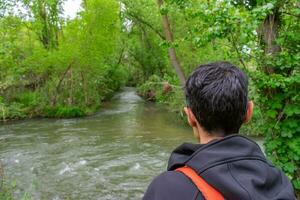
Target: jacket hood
[[236, 166]]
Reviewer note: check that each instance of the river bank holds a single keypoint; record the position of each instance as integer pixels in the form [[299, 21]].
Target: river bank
[[32, 107]]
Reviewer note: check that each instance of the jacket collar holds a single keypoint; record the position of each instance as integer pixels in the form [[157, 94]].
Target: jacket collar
[[203, 156]]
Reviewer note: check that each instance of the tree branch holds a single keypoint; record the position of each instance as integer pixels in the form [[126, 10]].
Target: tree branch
[[142, 21], [291, 14]]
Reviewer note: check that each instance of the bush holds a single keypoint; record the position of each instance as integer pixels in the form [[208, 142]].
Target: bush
[[16, 111], [63, 112], [32, 103], [165, 91]]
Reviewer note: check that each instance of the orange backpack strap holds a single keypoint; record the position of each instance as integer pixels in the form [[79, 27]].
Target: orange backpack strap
[[207, 190]]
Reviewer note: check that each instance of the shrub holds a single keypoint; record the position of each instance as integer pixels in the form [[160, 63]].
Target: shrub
[[63, 111]]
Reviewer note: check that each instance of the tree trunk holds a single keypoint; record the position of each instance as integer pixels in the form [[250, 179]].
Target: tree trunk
[[57, 88], [171, 51], [48, 15], [45, 36], [71, 98], [85, 92], [268, 33]]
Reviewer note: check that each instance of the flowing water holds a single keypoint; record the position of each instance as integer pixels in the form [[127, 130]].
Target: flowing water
[[109, 156]]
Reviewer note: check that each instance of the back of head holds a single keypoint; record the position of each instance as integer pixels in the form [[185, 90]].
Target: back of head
[[217, 94]]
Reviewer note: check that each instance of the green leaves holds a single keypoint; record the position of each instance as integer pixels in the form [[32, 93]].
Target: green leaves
[[291, 110], [68, 66], [164, 10], [296, 184]]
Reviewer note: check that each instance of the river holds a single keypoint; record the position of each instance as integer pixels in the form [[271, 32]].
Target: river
[[112, 155]]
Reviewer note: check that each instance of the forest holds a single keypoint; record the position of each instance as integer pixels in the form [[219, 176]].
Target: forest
[[56, 67]]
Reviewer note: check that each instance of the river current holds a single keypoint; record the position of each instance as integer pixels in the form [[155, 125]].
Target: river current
[[112, 155]]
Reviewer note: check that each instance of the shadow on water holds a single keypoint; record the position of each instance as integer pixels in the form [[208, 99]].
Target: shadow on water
[[111, 155]]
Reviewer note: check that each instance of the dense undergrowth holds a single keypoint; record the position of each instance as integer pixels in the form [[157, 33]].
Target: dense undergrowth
[[54, 67]]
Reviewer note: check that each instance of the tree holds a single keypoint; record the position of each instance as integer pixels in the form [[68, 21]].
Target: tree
[[169, 38], [142, 36], [47, 73], [47, 20]]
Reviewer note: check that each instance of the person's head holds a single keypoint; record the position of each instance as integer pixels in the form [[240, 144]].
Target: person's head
[[217, 99]]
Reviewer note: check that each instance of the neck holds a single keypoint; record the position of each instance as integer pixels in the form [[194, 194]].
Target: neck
[[203, 136]]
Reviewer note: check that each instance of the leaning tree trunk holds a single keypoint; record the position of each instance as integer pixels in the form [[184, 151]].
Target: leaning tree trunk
[[171, 51]]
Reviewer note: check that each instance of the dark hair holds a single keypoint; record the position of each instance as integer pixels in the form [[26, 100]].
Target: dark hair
[[217, 94]]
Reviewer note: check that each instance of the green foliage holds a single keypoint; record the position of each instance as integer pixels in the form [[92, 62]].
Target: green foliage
[[63, 112], [15, 111], [164, 90], [142, 41], [56, 68], [7, 191]]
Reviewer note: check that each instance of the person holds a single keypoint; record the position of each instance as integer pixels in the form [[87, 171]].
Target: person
[[231, 164]]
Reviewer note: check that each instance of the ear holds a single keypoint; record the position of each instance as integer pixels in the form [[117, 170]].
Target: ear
[[249, 112], [190, 116]]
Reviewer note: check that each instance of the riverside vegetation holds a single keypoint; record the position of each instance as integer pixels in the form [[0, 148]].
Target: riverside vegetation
[[56, 67]]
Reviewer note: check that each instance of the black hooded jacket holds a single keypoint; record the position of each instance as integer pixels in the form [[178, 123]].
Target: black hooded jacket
[[234, 165]]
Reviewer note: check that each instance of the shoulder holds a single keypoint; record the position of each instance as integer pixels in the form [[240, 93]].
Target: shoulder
[[172, 185]]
